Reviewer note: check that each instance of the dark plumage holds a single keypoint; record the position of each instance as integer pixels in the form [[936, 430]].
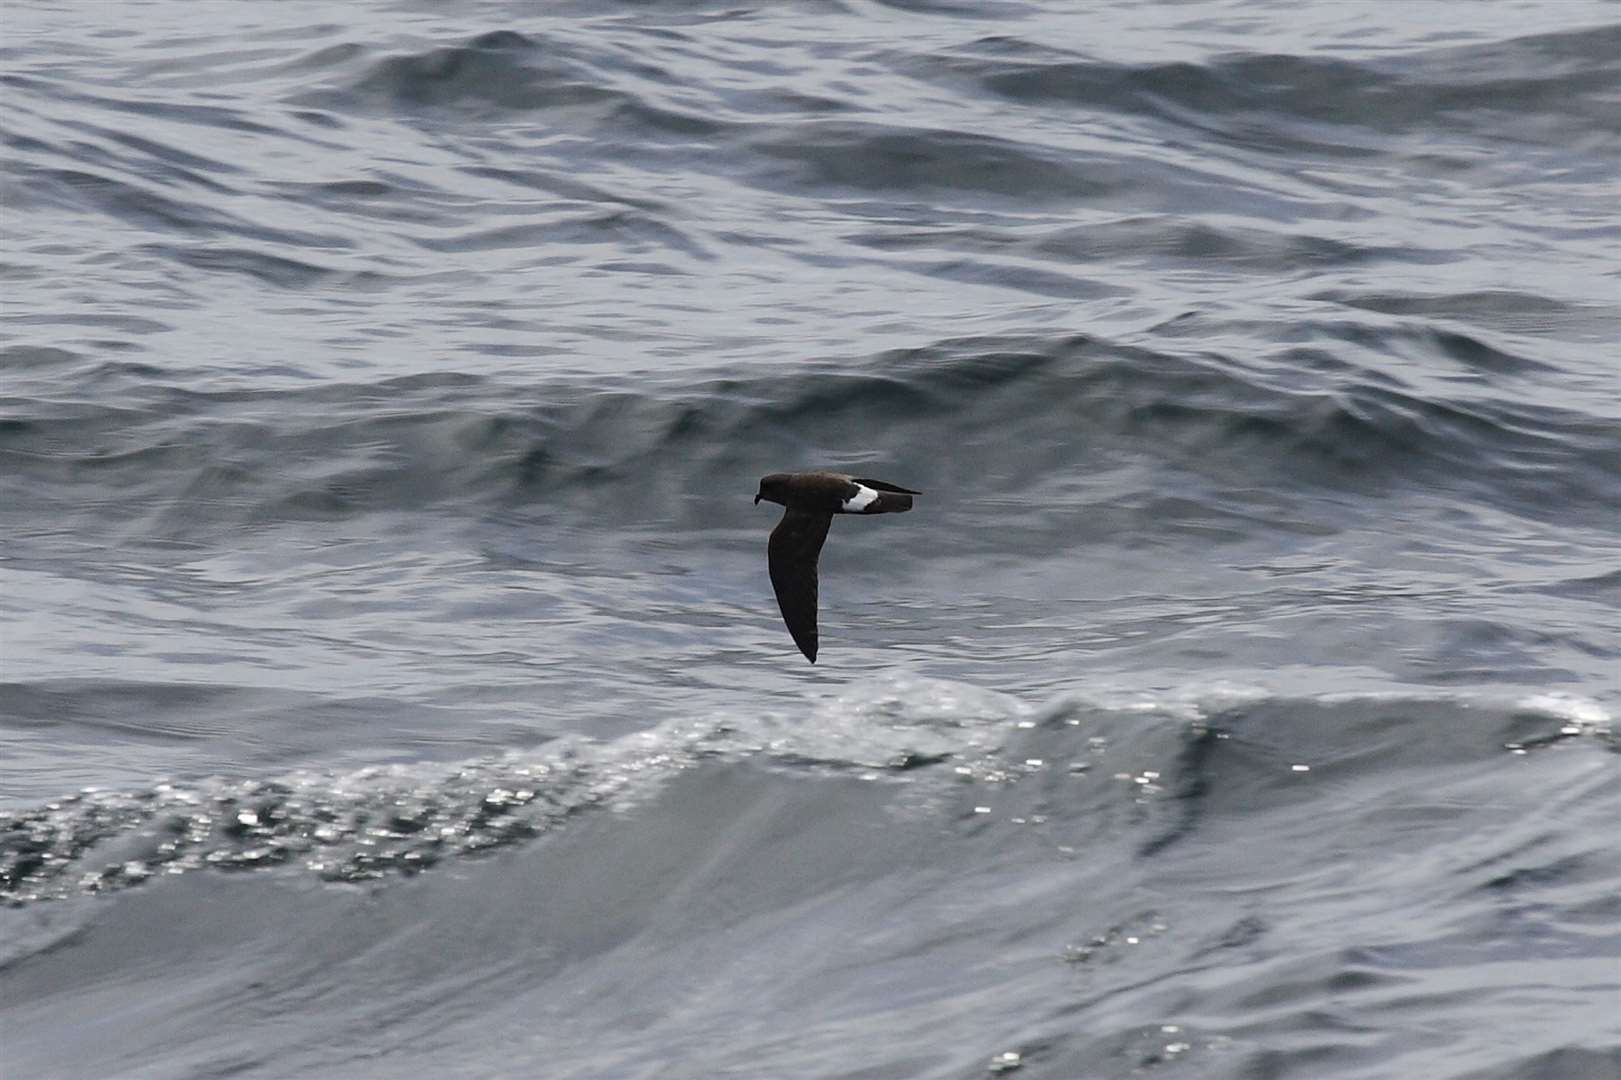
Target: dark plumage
[[812, 498]]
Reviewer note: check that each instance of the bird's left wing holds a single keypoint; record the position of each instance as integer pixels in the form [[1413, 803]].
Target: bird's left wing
[[795, 545]]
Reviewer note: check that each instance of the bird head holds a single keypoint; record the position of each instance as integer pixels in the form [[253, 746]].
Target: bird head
[[773, 488]]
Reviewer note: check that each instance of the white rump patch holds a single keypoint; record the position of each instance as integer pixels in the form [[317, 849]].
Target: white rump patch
[[863, 498]]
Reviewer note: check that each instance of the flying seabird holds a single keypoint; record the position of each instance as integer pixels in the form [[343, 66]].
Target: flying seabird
[[812, 498]]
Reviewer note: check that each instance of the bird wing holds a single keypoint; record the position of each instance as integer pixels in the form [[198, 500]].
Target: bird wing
[[879, 485], [796, 543]]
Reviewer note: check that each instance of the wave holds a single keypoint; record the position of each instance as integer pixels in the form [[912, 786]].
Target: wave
[[505, 71], [1216, 753], [376, 821]]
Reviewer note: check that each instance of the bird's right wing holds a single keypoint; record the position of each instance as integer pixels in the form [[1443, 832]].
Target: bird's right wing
[[795, 545], [879, 485], [878, 498]]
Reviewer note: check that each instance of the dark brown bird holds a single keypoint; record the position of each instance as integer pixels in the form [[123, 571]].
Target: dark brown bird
[[812, 498]]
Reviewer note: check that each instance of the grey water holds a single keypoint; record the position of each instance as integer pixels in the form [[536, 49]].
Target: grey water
[[390, 681]]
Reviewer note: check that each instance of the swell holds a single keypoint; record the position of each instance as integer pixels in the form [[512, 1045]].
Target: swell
[[147, 458], [1539, 89], [1563, 79]]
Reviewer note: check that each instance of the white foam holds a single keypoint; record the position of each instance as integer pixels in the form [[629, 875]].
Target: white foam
[[863, 498], [1561, 706]]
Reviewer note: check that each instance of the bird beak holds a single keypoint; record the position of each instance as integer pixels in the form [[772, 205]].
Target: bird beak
[[757, 500]]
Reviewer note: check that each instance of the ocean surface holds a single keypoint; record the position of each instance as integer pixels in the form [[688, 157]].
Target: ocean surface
[[390, 681]]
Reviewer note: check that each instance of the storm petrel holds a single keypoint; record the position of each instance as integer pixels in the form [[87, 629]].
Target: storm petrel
[[812, 498]]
